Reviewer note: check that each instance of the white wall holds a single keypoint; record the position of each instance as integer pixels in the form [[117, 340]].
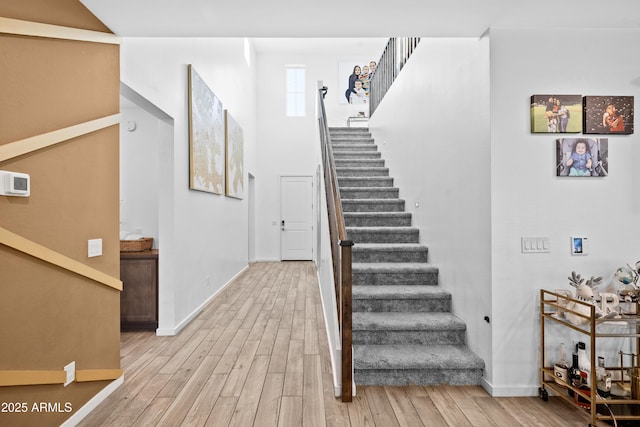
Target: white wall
[[433, 130], [139, 173], [288, 145], [203, 237], [527, 199], [481, 190]]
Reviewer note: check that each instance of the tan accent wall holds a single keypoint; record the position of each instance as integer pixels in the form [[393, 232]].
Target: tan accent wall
[[66, 13], [50, 316]]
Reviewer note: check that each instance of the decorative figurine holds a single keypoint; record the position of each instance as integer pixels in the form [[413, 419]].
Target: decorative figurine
[[584, 293], [628, 279]]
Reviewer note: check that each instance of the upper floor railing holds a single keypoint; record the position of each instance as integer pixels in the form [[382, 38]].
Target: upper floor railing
[[395, 55]]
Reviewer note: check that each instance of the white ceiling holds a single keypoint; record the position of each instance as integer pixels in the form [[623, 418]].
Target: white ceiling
[[344, 18]]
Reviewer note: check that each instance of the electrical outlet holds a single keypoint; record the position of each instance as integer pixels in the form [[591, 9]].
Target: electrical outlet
[[70, 371]]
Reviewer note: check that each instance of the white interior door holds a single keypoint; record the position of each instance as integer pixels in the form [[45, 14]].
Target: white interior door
[[296, 222]]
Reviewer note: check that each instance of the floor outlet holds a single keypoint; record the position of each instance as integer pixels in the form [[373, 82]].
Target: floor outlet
[[70, 370]]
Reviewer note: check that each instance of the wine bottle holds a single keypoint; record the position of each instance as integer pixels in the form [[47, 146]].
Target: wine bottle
[[574, 374]]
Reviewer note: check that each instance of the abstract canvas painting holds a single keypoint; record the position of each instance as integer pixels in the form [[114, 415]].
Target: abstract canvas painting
[[608, 115], [556, 114], [582, 157], [235, 157], [206, 137]]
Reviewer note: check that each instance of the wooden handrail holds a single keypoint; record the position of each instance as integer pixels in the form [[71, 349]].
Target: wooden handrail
[[340, 251]]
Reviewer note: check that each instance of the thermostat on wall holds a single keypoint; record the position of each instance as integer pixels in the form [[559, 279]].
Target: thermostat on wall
[[579, 245], [15, 184]]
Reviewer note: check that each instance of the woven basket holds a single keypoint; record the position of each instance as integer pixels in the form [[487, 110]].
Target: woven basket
[[140, 245]]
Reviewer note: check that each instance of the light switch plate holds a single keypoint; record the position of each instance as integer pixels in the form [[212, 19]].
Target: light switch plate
[[535, 245], [95, 247]]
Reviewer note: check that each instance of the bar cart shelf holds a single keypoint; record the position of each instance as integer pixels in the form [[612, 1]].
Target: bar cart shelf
[[623, 411]]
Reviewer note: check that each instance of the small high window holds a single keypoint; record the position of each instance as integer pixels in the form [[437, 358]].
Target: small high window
[[295, 91]]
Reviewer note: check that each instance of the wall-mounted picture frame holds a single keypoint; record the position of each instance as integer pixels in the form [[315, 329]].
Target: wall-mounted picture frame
[[206, 137], [235, 157], [582, 157], [608, 115], [351, 71], [556, 113]]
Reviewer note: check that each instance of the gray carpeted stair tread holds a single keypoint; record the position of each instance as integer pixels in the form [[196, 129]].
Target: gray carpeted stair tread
[[377, 219], [373, 205], [377, 214], [399, 291], [364, 193], [370, 182], [401, 229], [384, 235], [389, 252], [352, 139], [359, 163], [348, 129], [389, 247], [398, 356], [393, 267], [355, 155], [353, 146], [411, 321], [362, 172]]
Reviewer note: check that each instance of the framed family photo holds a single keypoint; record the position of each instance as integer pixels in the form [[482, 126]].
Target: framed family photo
[[608, 115], [556, 113]]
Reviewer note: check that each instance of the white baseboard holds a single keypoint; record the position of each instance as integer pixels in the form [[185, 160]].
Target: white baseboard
[[520, 391], [168, 332], [93, 403]]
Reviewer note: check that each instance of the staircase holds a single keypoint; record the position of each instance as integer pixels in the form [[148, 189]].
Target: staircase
[[403, 329]]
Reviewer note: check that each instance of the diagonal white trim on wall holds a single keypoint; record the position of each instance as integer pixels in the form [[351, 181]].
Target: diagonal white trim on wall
[[27, 145], [36, 29], [22, 244]]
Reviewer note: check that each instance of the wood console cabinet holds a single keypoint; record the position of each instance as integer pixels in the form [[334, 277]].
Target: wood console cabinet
[[139, 297]]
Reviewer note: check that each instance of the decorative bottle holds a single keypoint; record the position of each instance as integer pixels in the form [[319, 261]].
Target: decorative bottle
[[583, 363], [574, 374], [561, 368], [603, 379]]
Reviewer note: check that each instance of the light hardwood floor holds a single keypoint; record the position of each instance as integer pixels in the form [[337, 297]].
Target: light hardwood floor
[[258, 356]]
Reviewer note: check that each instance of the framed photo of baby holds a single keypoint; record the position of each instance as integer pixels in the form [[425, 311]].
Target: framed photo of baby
[[608, 115], [556, 113], [582, 157]]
